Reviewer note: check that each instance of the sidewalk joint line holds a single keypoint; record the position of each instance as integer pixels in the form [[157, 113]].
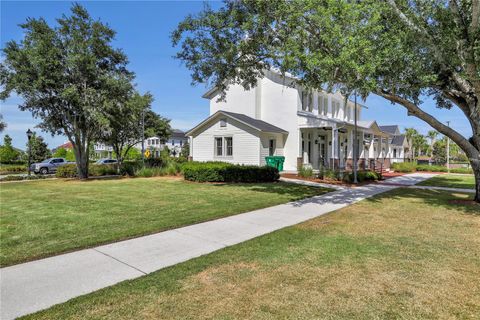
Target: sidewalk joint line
[[122, 262]]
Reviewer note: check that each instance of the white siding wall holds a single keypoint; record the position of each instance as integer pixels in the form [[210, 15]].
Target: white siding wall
[[238, 100], [265, 144], [246, 143]]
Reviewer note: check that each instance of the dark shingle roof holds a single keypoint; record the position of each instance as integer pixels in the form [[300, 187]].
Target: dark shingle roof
[[389, 129], [398, 140], [255, 123], [179, 134]]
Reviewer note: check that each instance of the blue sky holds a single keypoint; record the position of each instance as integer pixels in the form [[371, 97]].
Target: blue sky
[[143, 29]]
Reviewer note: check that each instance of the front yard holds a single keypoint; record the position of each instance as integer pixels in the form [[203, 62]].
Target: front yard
[[42, 218], [406, 254], [464, 181]]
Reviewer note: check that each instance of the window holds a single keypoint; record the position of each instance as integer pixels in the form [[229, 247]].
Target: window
[[218, 147], [307, 101], [271, 147], [325, 105], [173, 142], [223, 123], [322, 104], [229, 146], [394, 153], [181, 143]]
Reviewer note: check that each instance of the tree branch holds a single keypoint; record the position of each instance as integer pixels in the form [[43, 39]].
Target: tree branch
[[440, 127]]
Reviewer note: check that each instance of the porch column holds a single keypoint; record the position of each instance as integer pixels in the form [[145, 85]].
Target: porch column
[[300, 152]]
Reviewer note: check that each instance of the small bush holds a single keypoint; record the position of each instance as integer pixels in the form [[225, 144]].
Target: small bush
[[462, 170], [128, 168], [67, 171], [226, 172], [154, 162], [404, 167], [329, 174], [305, 172]]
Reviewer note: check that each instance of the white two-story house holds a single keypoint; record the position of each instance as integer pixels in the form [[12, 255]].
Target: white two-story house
[[278, 117]]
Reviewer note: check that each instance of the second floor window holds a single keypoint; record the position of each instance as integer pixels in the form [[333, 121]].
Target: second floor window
[[322, 104], [307, 101]]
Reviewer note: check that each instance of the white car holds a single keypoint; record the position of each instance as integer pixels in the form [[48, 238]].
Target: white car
[[106, 161]]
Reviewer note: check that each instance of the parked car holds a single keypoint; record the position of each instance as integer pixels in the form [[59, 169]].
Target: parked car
[[49, 165], [106, 161]]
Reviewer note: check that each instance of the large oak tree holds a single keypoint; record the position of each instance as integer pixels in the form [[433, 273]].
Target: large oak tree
[[401, 50], [66, 75]]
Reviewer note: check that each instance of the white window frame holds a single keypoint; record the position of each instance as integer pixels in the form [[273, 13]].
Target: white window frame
[[224, 148]]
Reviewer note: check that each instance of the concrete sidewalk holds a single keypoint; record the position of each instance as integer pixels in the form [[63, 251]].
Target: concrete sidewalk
[[37, 285]]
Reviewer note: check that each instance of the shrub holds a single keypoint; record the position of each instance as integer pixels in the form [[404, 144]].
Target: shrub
[[94, 170], [404, 166], [305, 172], [329, 174], [20, 178], [225, 172], [67, 171], [12, 168], [426, 167], [362, 176], [128, 168], [154, 162], [462, 170]]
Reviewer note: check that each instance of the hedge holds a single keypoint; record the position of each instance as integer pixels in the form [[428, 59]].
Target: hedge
[[21, 178], [366, 175], [462, 170], [404, 166], [12, 168], [94, 170], [226, 172], [433, 168]]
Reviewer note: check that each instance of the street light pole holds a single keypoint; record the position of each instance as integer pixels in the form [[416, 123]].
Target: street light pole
[[143, 137], [355, 140], [29, 136], [448, 150]]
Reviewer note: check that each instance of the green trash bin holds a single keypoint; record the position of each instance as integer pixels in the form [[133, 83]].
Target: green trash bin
[[280, 160], [275, 161]]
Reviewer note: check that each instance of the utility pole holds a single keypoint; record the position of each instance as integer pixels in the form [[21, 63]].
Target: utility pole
[[448, 150], [355, 146], [143, 137]]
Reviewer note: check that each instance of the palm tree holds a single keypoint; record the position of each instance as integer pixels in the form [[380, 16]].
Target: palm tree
[[410, 134], [432, 136]]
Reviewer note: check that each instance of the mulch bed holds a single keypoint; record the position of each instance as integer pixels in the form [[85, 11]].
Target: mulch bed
[[332, 182]]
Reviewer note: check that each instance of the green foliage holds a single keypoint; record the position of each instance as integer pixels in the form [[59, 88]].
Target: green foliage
[[38, 148], [22, 177], [12, 168], [70, 170], [462, 170], [66, 75], [68, 154], [432, 168], [7, 152], [305, 172], [226, 172], [157, 126], [185, 151], [404, 166], [3, 124]]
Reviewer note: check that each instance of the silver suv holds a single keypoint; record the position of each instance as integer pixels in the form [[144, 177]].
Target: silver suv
[[49, 165]]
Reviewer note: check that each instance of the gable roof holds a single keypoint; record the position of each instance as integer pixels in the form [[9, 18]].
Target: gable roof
[[398, 140], [256, 124], [392, 129]]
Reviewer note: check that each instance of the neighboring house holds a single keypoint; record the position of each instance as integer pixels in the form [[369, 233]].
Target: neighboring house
[[398, 145], [156, 144], [102, 151], [176, 141], [67, 146], [277, 117]]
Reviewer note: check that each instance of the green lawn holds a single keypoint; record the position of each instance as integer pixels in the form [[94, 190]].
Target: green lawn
[[406, 254], [42, 218], [451, 180]]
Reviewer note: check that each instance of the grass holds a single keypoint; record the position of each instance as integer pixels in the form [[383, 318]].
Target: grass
[[451, 181], [406, 254], [44, 218]]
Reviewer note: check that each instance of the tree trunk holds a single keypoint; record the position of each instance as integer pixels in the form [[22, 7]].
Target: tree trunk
[[81, 158], [476, 172]]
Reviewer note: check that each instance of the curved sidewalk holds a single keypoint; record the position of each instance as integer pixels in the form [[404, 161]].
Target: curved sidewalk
[[37, 285]]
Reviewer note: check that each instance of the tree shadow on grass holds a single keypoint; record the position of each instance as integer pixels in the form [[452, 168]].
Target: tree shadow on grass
[[450, 182], [434, 198], [281, 188]]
